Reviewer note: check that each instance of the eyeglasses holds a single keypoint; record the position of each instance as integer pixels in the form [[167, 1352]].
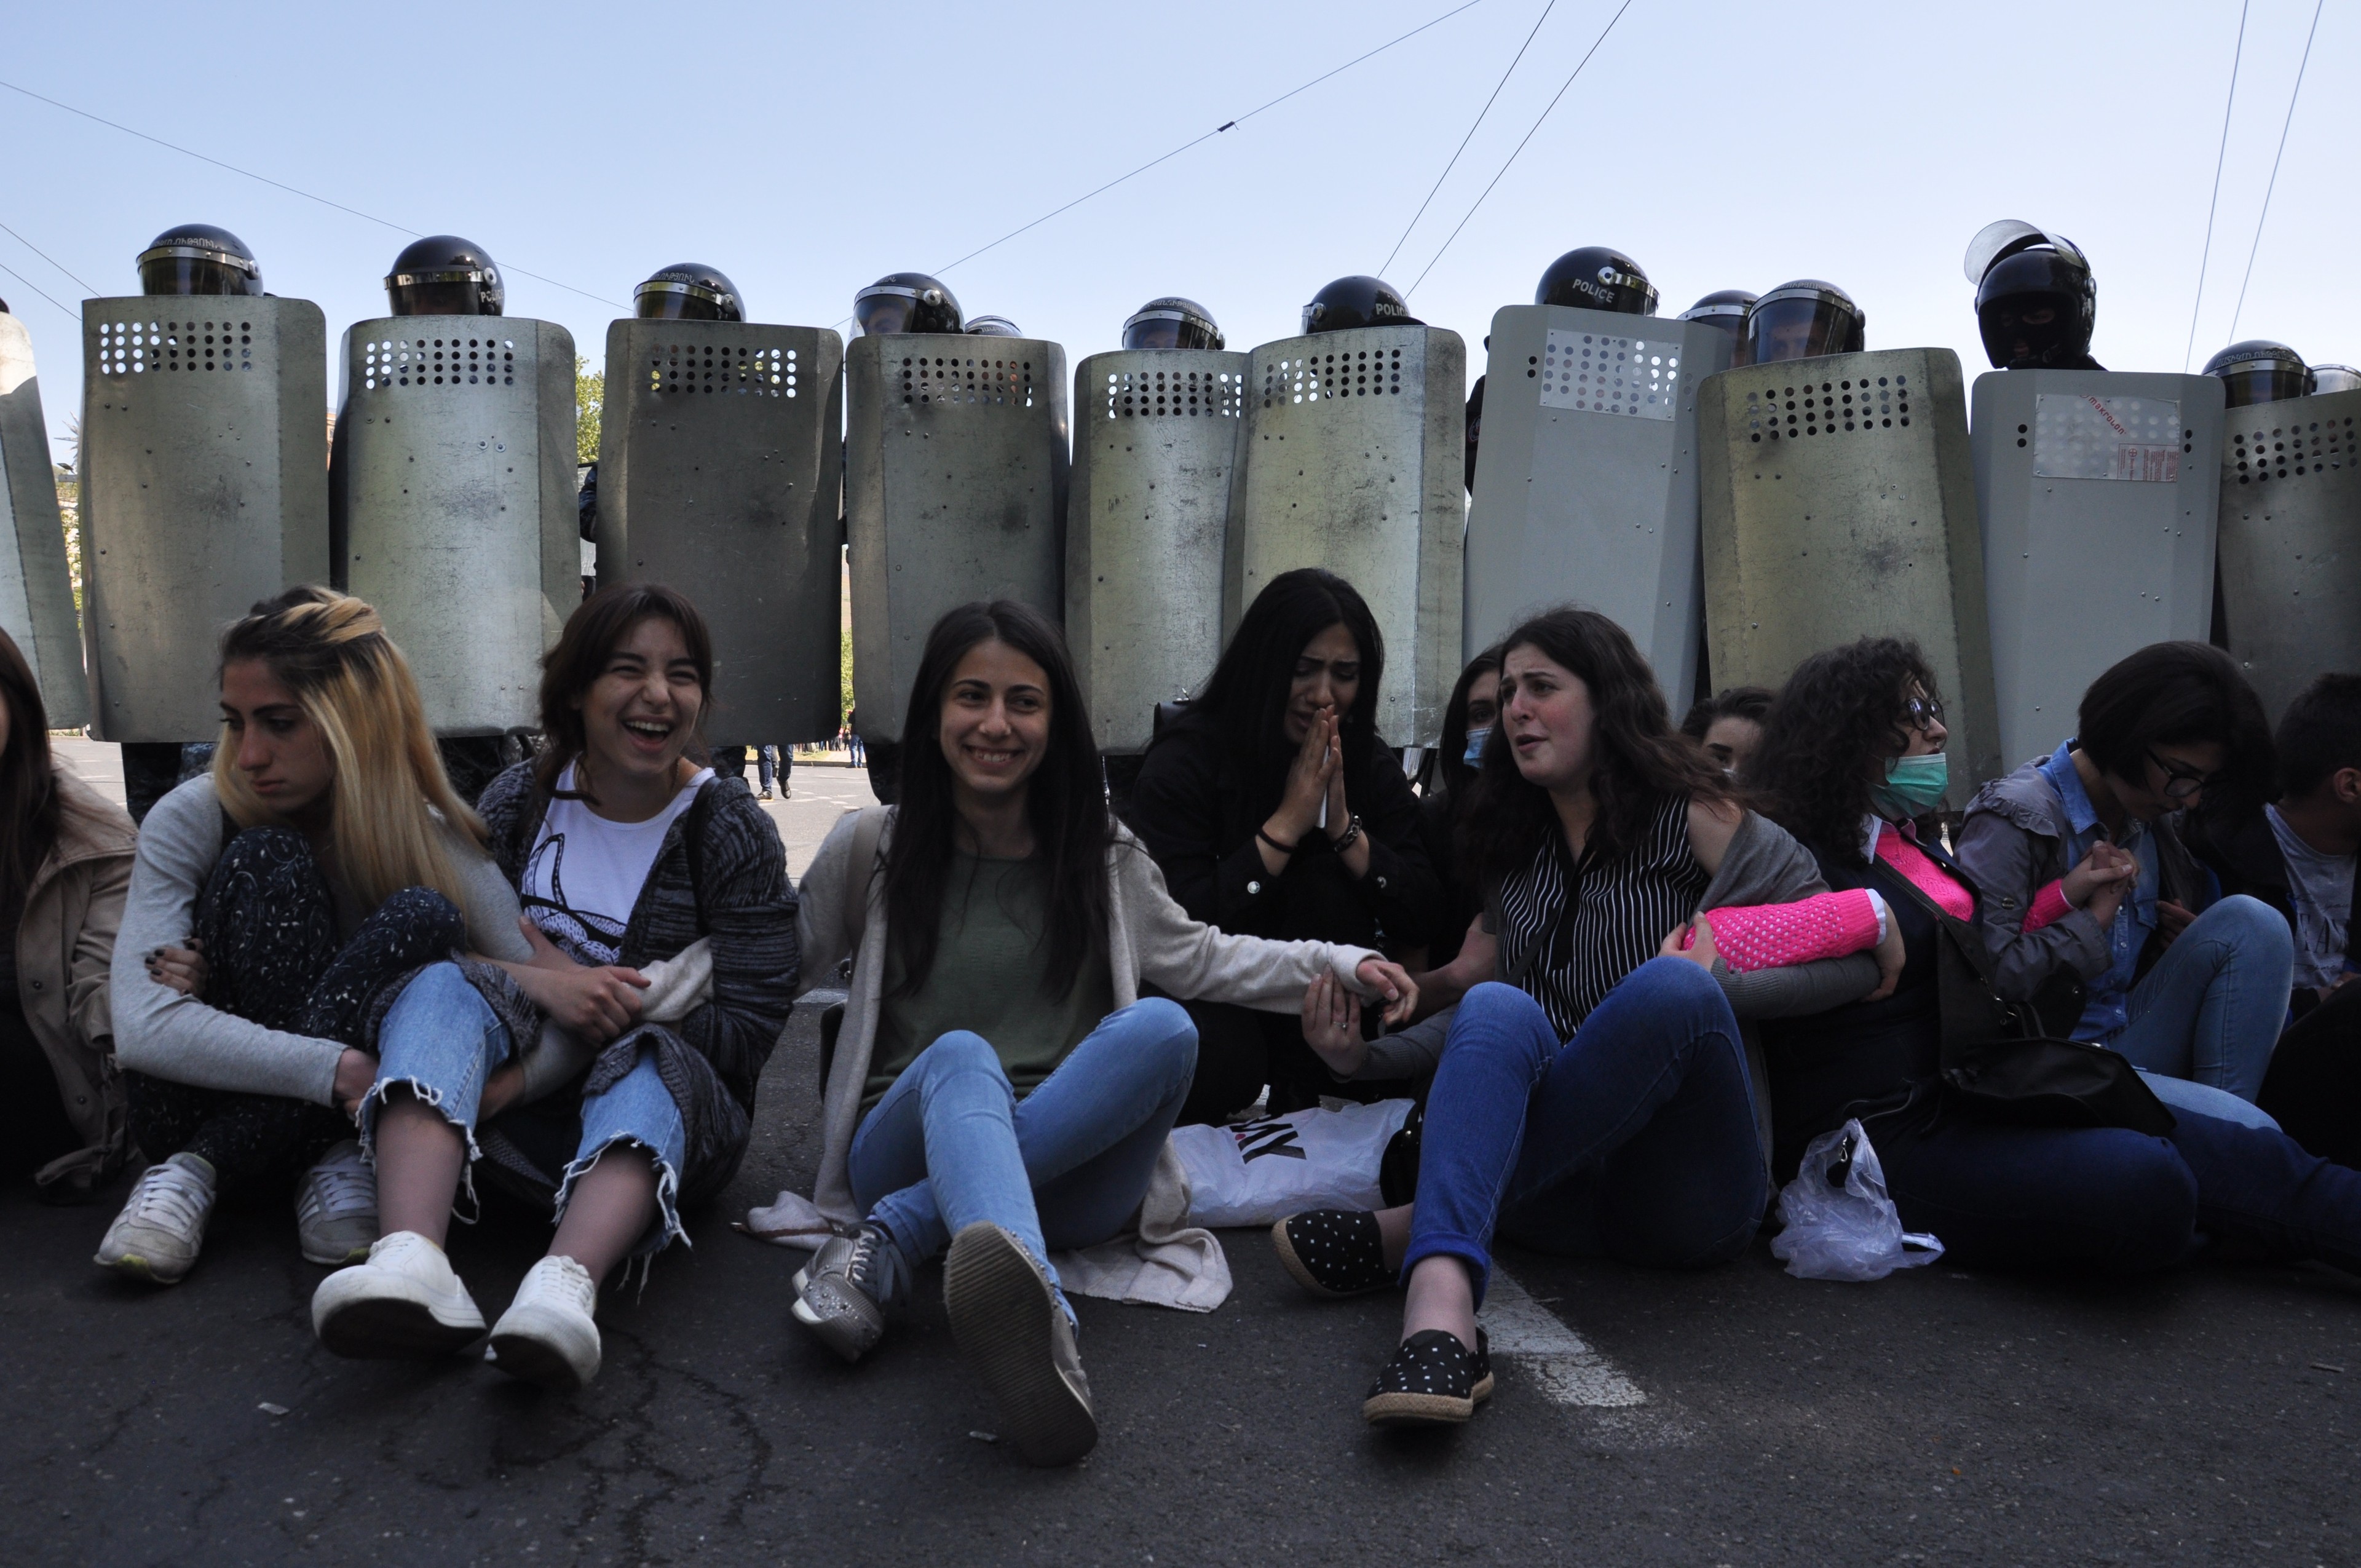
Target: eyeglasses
[[1922, 712], [2181, 783]]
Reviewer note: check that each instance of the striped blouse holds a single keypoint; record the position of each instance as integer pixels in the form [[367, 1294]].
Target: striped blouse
[[1572, 930]]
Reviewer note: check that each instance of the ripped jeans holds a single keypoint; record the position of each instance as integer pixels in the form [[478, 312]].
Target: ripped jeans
[[442, 1041]]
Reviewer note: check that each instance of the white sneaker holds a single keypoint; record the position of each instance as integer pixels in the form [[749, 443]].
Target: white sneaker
[[404, 1301], [162, 1225], [546, 1336], [335, 1207]]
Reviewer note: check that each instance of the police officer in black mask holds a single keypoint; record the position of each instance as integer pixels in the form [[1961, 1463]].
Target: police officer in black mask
[[2036, 302]]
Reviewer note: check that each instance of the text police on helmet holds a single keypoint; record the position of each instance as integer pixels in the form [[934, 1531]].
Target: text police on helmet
[[1355, 302], [1595, 278]]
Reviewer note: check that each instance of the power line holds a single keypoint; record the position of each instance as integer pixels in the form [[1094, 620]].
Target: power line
[[44, 254], [2221, 157], [37, 289], [280, 184], [1468, 138], [1521, 145], [2284, 127]]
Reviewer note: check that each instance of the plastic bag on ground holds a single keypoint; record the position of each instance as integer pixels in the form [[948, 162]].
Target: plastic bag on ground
[[1836, 1221], [1256, 1172]]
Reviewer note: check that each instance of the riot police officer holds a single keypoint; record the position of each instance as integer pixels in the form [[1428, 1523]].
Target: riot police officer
[[1171, 322], [688, 291], [1597, 277], [2327, 378], [1356, 302], [2259, 371], [1805, 319], [1725, 310], [905, 301], [2036, 302], [443, 275], [991, 326]]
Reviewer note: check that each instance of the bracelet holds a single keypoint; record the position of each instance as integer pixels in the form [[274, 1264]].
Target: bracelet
[[1282, 849], [1344, 841]]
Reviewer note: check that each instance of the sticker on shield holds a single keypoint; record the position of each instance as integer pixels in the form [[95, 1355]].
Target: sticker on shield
[[2081, 437], [1599, 374]]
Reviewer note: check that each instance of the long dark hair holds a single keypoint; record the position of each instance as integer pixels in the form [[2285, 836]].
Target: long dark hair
[[1452, 753], [28, 789], [1246, 700], [2172, 693], [1838, 720], [569, 670], [1065, 802], [1638, 757]]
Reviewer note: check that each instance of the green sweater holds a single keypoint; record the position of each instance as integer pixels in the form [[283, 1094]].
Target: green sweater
[[988, 977]]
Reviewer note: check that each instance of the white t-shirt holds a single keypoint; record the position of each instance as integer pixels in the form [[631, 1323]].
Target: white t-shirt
[[584, 872], [2321, 888]]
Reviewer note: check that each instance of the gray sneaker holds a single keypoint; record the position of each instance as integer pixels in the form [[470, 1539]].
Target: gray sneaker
[[335, 1208], [1006, 1316], [841, 1294], [162, 1225]]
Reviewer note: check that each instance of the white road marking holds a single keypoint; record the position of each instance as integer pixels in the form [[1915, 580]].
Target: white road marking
[[1522, 1329]]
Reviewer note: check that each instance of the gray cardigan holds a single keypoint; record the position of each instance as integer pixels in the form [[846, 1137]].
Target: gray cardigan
[[165, 1035]]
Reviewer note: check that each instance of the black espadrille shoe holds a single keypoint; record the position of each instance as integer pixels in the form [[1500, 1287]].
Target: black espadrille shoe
[[1432, 1380], [1333, 1252]]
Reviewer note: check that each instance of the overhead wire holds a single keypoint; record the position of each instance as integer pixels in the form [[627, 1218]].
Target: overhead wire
[[279, 184], [37, 288], [1521, 145], [2221, 158], [44, 254], [2285, 127], [1487, 109]]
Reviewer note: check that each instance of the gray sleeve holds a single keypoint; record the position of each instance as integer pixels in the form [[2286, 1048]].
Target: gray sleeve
[[1412, 1052], [488, 902], [1796, 991], [159, 1032], [2004, 860], [1764, 864]]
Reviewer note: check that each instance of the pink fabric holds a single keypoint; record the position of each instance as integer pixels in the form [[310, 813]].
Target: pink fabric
[[1923, 872], [1772, 936], [2048, 904]]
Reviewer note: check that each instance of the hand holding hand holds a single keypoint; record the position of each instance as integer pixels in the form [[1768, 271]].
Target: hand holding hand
[[1387, 978], [1331, 1026], [1676, 945], [2098, 882], [596, 1004]]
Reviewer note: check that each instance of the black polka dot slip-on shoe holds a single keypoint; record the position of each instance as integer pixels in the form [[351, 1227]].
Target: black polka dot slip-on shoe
[[1432, 1380], [1333, 1252]]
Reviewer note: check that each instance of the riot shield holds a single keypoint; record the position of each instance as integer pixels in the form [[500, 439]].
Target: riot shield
[[2291, 542], [453, 505], [720, 468], [1156, 440], [1837, 501], [1587, 485], [2095, 493], [1355, 459], [205, 490], [955, 489], [36, 604]]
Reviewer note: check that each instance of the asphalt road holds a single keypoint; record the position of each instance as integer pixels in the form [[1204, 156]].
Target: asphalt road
[[1940, 1415]]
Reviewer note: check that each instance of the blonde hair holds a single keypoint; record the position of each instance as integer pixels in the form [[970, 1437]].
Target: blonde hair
[[330, 651]]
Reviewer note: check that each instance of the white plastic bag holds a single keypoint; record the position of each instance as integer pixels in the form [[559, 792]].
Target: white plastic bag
[[1836, 1221], [1256, 1172]]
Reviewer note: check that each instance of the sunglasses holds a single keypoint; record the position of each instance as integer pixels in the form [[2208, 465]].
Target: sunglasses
[[1922, 712]]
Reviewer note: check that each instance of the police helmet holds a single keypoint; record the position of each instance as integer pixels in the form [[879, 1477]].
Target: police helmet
[[2035, 299], [905, 301], [1171, 323], [992, 326], [1725, 309], [2259, 371], [689, 291], [198, 259], [1358, 302], [443, 275], [2324, 377], [1803, 320], [1596, 279]]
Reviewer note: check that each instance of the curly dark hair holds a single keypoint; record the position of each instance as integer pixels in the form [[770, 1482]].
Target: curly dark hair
[[1639, 757], [1838, 720]]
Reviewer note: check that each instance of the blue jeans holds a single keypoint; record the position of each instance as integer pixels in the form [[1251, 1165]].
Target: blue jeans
[[1635, 1140], [1066, 1167], [2211, 1009], [442, 1041]]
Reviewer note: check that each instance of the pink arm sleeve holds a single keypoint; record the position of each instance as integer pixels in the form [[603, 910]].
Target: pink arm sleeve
[[1773, 935], [2048, 904]]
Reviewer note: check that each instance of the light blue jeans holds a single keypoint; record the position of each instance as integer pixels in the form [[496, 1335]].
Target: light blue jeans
[[442, 1041], [2210, 1011], [1066, 1167]]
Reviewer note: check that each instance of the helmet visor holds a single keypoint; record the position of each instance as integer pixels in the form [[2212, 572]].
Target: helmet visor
[[1799, 328], [1169, 329], [2263, 381], [181, 271], [667, 299], [896, 307]]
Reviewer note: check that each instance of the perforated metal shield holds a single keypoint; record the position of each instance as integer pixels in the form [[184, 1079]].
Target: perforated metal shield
[[2291, 542], [454, 504], [1355, 459], [720, 463], [204, 488], [2095, 492], [955, 490], [1156, 442], [1837, 501], [1587, 481], [36, 604]]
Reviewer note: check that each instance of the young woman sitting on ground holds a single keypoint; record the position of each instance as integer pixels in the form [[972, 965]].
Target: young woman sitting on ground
[[626, 852], [324, 856], [1853, 751], [1000, 1087], [65, 865], [2090, 897], [1592, 1095]]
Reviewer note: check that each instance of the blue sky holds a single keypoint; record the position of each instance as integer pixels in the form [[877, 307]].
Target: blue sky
[[807, 149]]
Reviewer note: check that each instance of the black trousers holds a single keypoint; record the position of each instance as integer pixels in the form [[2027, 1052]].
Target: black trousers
[[1239, 1050], [2313, 1086]]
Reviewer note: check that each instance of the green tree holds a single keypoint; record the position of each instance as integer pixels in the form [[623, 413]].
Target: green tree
[[844, 689], [590, 402]]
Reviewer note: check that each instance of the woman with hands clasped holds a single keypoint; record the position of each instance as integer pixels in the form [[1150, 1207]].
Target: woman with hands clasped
[[609, 1073], [1274, 809], [1592, 1093]]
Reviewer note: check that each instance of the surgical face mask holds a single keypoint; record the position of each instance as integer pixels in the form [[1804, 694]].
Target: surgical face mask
[[1474, 755], [1913, 785]]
